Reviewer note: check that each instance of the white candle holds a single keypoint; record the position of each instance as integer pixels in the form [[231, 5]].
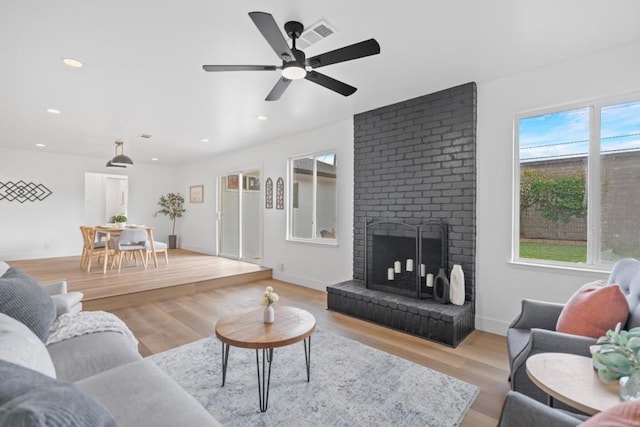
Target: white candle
[[398, 267], [429, 280], [423, 270], [390, 275], [409, 265]]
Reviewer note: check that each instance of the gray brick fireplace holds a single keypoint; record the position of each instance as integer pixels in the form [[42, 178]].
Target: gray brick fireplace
[[415, 162]]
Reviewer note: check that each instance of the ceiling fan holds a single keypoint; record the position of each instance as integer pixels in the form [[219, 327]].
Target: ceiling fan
[[295, 65]]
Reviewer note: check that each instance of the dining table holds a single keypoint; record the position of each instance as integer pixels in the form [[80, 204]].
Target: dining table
[[110, 231]]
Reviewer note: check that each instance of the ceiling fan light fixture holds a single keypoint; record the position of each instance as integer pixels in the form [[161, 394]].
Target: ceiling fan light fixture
[[294, 71]]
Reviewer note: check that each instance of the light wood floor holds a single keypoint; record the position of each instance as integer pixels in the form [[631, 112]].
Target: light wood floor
[[481, 359]]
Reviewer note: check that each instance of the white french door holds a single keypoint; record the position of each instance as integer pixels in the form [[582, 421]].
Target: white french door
[[240, 216]]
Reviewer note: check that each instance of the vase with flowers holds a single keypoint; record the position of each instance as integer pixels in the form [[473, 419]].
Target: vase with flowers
[[268, 300]]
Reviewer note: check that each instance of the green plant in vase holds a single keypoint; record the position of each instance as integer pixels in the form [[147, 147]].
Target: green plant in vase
[[618, 358], [120, 219]]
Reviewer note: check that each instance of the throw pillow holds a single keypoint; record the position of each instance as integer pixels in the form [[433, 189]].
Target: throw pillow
[[28, 398], [24, 299], [19, 345], [626, 414], [591, 312]]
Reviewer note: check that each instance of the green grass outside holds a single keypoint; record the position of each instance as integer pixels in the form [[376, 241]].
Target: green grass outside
[[553, 251]]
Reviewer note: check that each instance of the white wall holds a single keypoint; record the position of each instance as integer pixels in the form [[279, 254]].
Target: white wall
[[50, 228], [501, 285], [311, 265]]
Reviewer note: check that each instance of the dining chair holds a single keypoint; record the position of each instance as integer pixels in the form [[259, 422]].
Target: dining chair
[[90, 247], [130, 241], [159, 247]]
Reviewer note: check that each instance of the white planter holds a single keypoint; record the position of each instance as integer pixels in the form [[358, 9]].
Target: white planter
[[456, 285], [269, 314]]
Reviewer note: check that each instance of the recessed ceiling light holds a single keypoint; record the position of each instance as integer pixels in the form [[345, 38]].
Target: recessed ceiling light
[[53, 111], [154, 159], [40, 145], [204, 140], [261, 117], [74, 63]]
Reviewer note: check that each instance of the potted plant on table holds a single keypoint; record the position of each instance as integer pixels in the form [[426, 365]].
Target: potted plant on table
[[617, 357], [121, 220], [172, 205]]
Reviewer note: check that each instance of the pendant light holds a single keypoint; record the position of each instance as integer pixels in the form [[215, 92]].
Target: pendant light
[[120, 160]]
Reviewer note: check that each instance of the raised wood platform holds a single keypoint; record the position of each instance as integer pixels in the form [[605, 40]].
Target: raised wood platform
[[445, 323], [187, 273]]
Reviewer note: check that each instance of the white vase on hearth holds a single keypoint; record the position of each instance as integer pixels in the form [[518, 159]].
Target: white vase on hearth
[[456, 285]]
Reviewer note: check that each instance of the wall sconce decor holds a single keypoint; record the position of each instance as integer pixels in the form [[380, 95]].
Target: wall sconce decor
[[23, 191]]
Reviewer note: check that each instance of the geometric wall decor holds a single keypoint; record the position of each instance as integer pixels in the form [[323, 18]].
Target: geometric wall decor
[[280, 194], [23, 192], [268, 194]]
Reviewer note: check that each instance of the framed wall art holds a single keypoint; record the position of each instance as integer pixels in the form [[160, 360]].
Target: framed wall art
[[232, 182], [196, 194]]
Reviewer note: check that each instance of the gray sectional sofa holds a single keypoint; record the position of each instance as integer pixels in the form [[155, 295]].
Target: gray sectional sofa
[[92, 379]]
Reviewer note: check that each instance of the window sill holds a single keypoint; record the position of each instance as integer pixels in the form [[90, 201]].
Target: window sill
[[540, 265], [324, 242]]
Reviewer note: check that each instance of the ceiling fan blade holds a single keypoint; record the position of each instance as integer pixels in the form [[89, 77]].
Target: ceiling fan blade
[[347, 53], [278, 89], [270, 31], [330, 83], [239, 67]]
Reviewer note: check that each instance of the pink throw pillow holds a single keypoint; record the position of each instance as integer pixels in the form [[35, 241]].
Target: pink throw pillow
[[592, 312], [626, 414]]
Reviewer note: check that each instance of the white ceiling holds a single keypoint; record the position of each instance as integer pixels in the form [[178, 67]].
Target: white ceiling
[[143, 65]]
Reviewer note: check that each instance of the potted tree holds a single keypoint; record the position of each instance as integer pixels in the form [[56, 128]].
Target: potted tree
[[171, 205]]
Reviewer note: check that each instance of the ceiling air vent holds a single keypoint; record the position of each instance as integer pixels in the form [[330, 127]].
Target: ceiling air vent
[[319, 31]]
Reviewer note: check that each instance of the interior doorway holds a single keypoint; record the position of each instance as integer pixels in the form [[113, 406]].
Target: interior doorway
[[104, 196], [240, 216]]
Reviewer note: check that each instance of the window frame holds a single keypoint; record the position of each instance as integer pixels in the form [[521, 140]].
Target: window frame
[[290, 208], [593, 261]]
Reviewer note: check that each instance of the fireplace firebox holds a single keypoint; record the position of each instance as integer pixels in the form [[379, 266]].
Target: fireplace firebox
[[404, 258]]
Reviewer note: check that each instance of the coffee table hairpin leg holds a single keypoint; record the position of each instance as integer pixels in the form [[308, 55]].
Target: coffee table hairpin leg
[[307, 355], [264, 379], [225, 359], [263, 391]]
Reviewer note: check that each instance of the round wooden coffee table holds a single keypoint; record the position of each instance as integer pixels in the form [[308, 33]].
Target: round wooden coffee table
[[572, 380], [248, 330]]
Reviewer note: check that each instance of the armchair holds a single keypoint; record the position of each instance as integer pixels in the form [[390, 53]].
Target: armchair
[[534, 330], [65, 302], [521, 411]]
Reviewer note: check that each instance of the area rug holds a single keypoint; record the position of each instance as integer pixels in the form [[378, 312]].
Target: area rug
[[351, 385]]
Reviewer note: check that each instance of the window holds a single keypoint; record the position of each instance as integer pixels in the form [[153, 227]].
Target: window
[[577, 172], [312, 209]]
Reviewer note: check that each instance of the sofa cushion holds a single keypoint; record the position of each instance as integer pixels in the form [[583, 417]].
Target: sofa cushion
[[24, 299], [151, 399], [28, 398], [19, 345], [80, 357], [593, 311]]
